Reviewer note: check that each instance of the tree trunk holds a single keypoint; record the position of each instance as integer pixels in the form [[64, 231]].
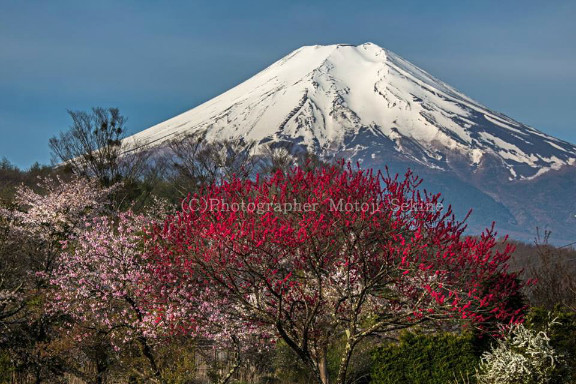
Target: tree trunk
[[147, 351], [235, 364], [101, 368], [344, 362], [323, 367]]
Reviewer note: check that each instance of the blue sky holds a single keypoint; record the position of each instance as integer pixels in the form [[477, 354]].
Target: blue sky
[[155, 59]]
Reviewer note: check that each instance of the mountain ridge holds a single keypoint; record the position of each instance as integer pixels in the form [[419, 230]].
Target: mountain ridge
[[316, 94], [367, 104]]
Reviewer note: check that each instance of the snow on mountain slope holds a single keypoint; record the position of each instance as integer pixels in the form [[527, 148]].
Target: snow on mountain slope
[[344, 98]]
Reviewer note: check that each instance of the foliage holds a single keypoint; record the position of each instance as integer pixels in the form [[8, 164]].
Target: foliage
[[177, 360], [5, 368], [11, 177], [425, 358], [555, 272], [315, 256], [562, 332], [288, 367], [521, 356]]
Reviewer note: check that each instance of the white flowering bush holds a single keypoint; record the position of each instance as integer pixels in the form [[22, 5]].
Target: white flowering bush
[[522, 356]]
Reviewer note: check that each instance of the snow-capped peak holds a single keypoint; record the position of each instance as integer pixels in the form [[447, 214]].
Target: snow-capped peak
[[364, 100]]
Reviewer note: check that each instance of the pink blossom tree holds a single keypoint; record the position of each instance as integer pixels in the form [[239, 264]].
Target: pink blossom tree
[[104, 282], [55, 209], [99, 283], [33, 228]]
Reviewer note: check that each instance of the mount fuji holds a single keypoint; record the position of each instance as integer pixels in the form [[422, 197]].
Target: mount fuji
[[369, 105]]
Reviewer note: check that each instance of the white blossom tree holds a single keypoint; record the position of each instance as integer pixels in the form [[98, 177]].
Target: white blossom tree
[[522, 356]]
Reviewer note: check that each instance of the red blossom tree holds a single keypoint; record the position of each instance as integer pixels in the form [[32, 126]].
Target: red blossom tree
[[319, 256]]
